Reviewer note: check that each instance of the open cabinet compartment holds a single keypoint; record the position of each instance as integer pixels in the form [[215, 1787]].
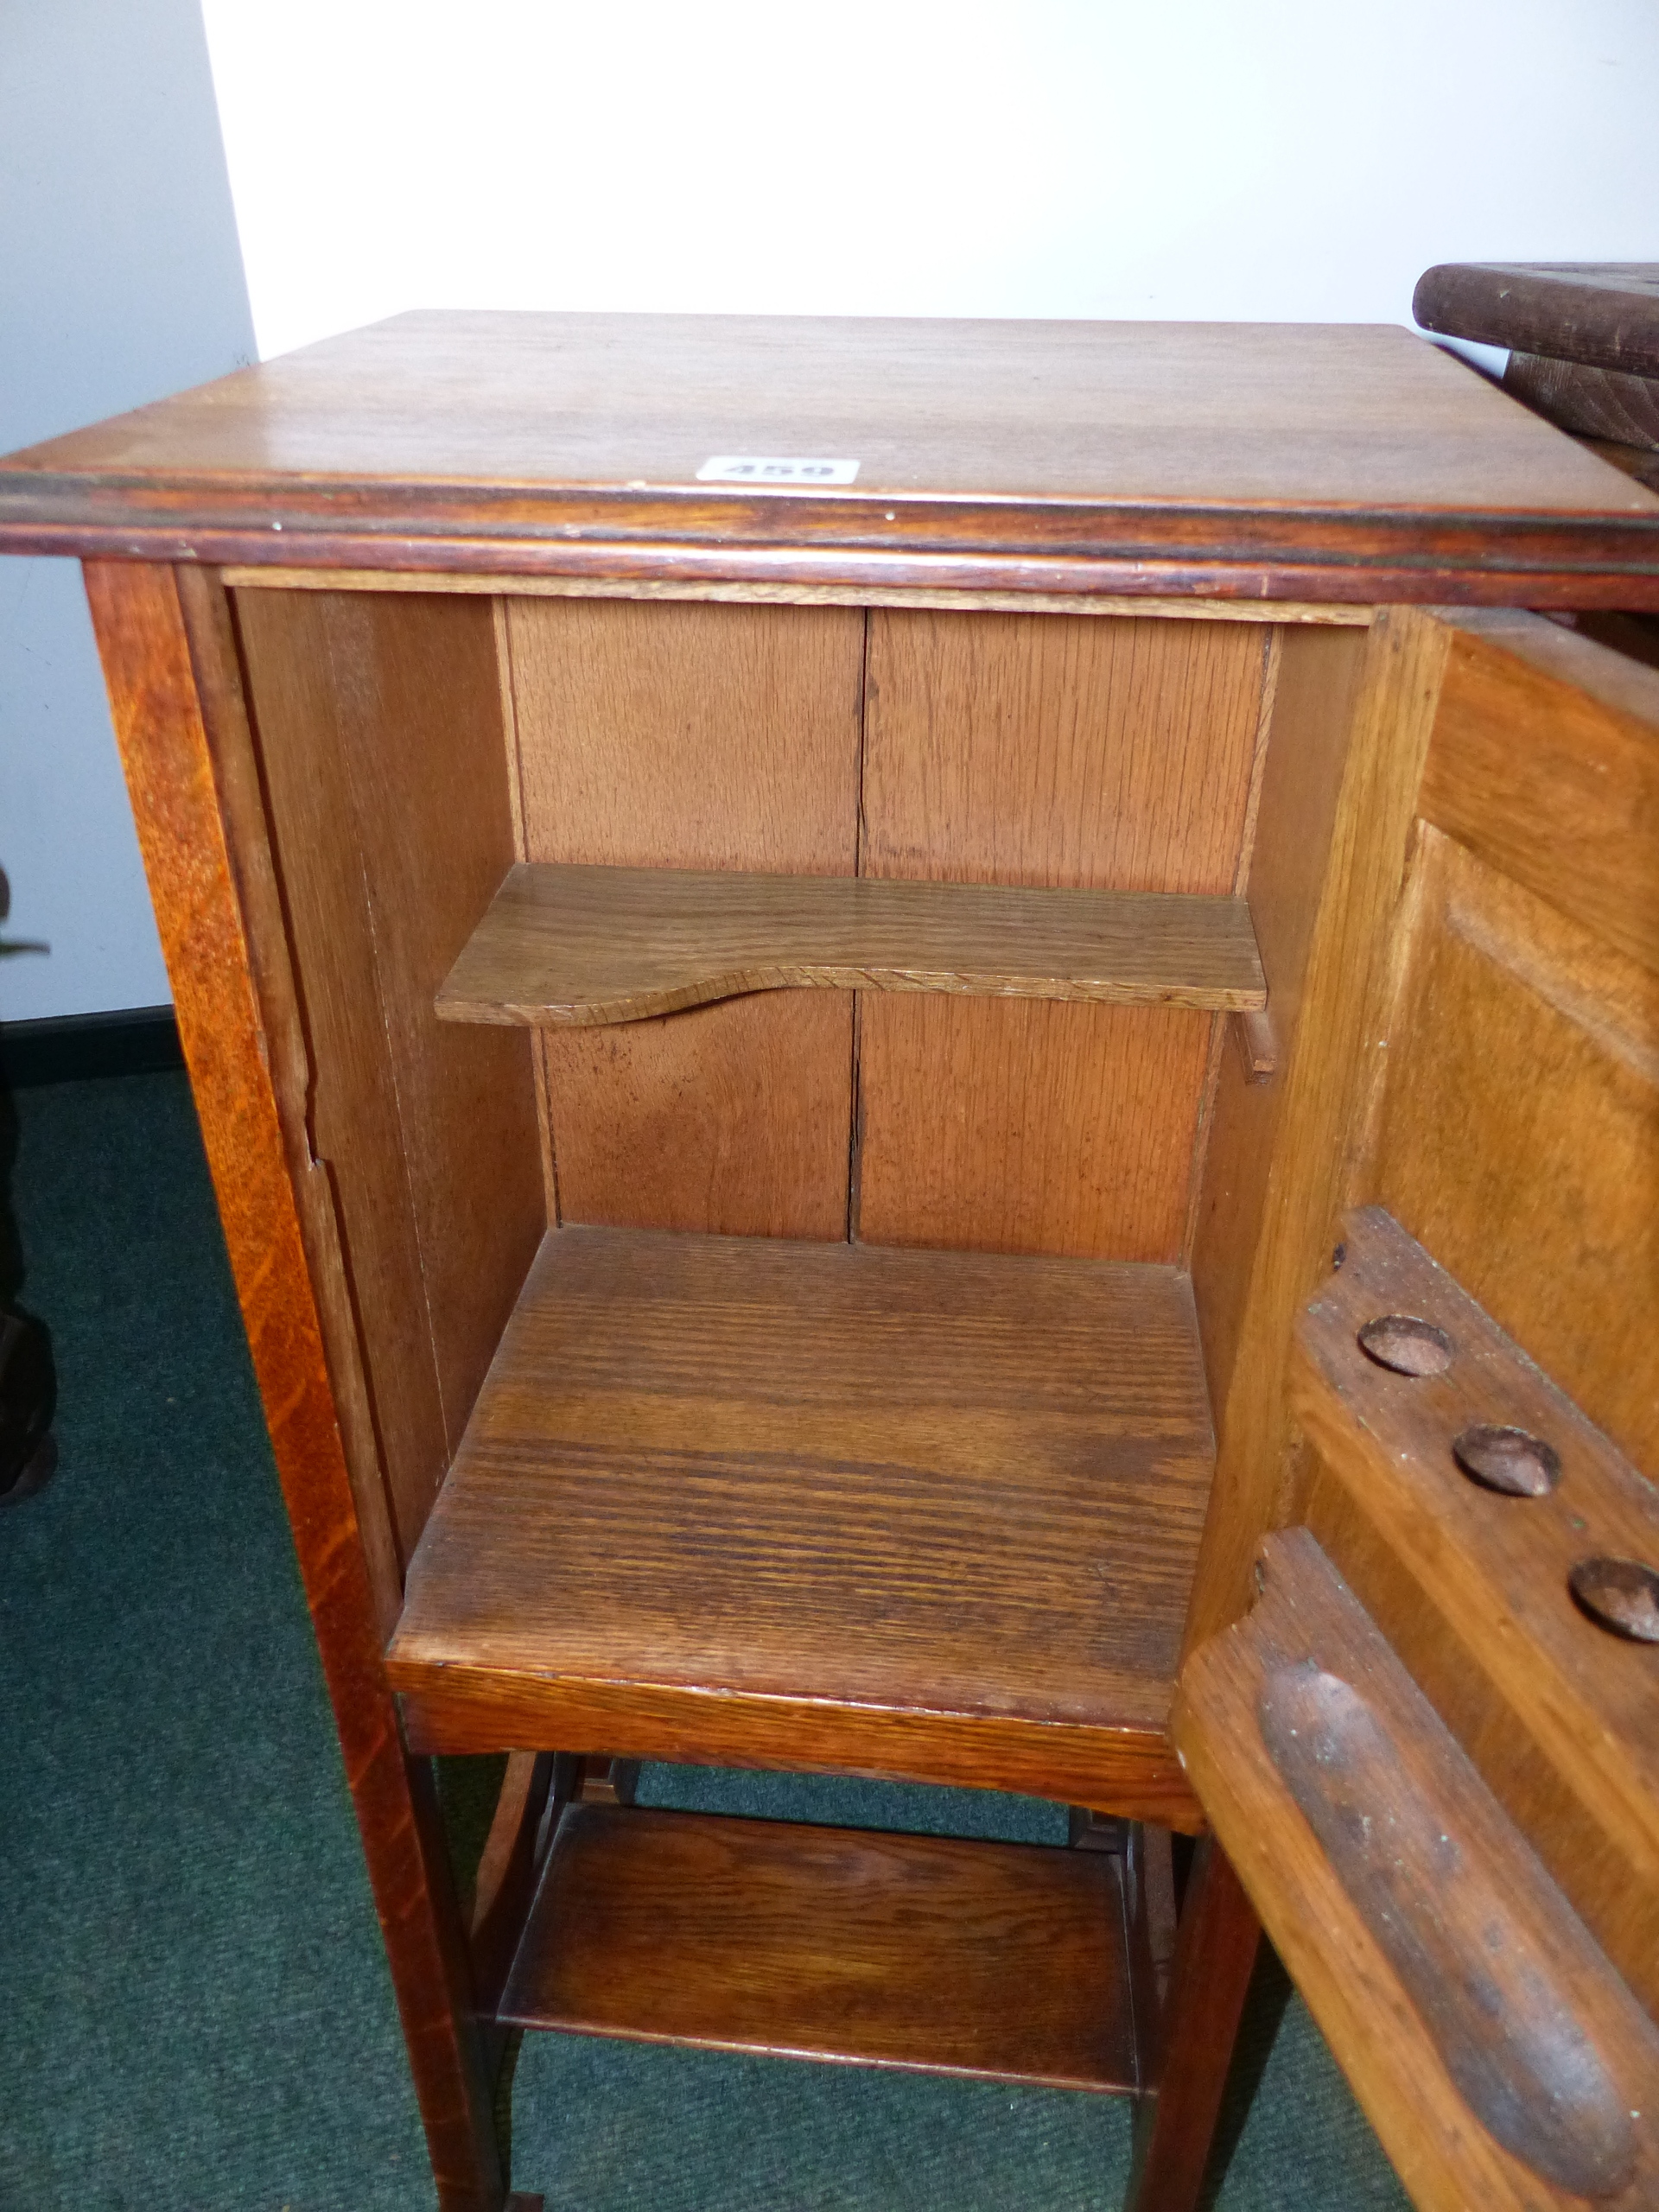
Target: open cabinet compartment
[[810, 1378]]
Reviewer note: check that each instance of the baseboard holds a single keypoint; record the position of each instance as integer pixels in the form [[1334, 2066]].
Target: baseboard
[[68, 1048]]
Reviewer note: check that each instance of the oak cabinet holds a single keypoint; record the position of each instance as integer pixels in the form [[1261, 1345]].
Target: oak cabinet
[[794, 941]]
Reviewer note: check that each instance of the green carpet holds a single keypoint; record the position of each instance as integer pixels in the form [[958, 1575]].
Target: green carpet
[[196, 2013]]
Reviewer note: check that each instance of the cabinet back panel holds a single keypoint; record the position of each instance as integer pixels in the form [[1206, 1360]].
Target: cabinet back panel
[[378, 719], [696, 736], [1066, 752]]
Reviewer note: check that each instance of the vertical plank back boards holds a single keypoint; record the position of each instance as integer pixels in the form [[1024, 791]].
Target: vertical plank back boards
[[379, 724], [696, 736], [1054, 751]]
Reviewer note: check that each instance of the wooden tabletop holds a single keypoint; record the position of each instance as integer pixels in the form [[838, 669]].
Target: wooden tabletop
[[1344, 463]]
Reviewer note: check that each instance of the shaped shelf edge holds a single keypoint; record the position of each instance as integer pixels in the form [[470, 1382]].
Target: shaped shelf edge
[[569, 946]]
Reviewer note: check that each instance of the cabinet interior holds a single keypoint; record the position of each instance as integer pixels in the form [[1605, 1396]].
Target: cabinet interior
[[1003, 1440]]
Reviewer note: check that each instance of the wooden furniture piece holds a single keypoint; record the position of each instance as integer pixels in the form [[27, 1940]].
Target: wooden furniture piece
[[781, 1065], [1583, 340]]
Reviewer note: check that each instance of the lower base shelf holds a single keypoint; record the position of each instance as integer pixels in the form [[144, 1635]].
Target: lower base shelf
[[1002, 1960]]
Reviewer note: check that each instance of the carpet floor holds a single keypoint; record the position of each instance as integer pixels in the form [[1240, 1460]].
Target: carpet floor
[[196, 2009]]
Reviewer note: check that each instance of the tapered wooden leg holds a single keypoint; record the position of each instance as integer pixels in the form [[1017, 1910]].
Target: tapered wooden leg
[[1215, 1946]]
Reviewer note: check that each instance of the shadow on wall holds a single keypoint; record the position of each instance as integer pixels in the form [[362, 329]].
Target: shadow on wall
[[29, 1387]]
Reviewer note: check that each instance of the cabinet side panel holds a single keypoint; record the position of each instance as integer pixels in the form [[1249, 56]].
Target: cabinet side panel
[[157, 699], [1307, 745], [379, 720], [1327, 879], [1051, 751], [697, 736]]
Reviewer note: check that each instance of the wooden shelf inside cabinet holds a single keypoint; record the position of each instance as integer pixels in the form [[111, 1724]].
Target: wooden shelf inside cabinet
[[573, 946], [932, 1514], [1002, 1960]]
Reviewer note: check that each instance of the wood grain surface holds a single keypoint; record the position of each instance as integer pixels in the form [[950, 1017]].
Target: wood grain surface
[[708, 738], [1194, 608], [1276, 1186], [1344, 462], [1544, 761], [1311, 718], [1102, 756], [1558, 1714], [431, 1136], [999, 1960], [1591, 402], [1518, 1132], [1605, 313], [581, 947], [1499, 2055], [172, 778], [820, 1506]]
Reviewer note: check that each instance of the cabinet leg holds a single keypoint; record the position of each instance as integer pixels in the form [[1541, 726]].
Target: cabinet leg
[[1175, 2120]]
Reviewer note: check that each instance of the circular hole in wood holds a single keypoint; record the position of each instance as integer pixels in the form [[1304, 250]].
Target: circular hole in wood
[[1508, 1459], [1408, 1346], [1620, 1594]]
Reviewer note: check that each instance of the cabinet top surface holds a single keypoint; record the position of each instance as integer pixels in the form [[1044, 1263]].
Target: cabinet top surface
[[479, 440]]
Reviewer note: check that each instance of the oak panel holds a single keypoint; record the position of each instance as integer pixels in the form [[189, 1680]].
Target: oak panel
[[1311, 718], [1545, 762], [581, 947], [1063, 752], [1027, 1126], [1519, 1133], [1560, 1712], [174, 759], [1499, 2055], [1295, 1169], [432, 1139], [696, 737], [732, 1118], [999, 1960], [861, 1486], [352, 1121]]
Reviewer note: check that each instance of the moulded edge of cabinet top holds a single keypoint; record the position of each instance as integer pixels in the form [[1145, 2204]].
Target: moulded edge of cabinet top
[[573, 946], [1341, 462]]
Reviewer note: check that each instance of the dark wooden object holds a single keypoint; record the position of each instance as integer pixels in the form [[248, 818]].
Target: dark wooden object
[[582, 947], [1604, 314], [1500, 2057], [942, 1508], [1594, 403], [889, 1950]]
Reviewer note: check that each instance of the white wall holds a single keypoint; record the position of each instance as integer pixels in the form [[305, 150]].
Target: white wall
[[120, 280], [1291, 159]]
